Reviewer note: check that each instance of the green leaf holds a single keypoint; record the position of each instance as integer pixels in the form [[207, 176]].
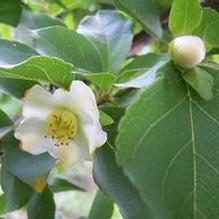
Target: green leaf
[[168, 147], [15, 87], [68, 45], [42, 206], [163, 4], [10, 11], [16, 192], [4, 120], [115, 113], [42, 69], [103, 80], [12, 53], [62, 185], [209, 27], [105, 119], [31, 21], [102, 207], [201, 81], [145, 67], [31, 169], [145, 12], [111, 180], [3, 204], [112, 35], [185, 16]]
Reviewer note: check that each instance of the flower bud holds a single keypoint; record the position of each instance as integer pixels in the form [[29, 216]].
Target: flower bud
[[187, 51]]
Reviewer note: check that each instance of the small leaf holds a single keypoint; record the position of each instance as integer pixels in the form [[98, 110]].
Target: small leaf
[[42, 206], [5, 125], [105, 119], [62, 185], [144, 11], [16, 192], [10, 12], [185, 16], [103, 80], [201, 81], [147, 65], [112, 35], [102, 207], [31, 169], [209, 27], [4, 120], [115, 113], [42, 69]]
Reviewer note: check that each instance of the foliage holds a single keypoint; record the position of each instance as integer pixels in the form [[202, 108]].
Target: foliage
[[160, 160]]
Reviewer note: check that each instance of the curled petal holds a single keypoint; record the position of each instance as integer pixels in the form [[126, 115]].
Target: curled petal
[[31, 133], [94, 135], [38, 103]]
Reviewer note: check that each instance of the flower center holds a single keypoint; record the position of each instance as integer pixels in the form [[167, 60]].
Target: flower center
[[62, 126]]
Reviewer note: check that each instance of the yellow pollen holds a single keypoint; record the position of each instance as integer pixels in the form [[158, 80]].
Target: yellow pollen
[[62, 126]]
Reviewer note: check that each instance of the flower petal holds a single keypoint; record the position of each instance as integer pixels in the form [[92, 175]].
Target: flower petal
[[95, 136], [31, 133], [80, 100], [67, 155], [84, 96], [38, 102]]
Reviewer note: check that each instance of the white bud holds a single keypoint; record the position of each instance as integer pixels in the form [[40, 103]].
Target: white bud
[[187, 51]]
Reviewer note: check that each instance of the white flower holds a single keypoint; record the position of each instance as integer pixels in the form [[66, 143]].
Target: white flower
[[66, 123], [187, 51]]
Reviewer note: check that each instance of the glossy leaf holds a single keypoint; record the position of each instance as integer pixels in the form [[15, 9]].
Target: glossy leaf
[[68, 45], [102, 207], [111, 180], [5, 125], [111, 34], [42, 206], [42, 69], [145, 12], [185, 16], [12, 53], [115, 114], [144, 68], [105, 119], [201, 81], [168, 147], [103, 80], [31, 169], [16, 192], [62, 185], [31, 21], [4, 120], [10, 11], [15, 87], [209, 27]]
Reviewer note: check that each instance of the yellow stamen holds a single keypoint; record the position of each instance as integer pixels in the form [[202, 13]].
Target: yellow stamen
[[62, 126]]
